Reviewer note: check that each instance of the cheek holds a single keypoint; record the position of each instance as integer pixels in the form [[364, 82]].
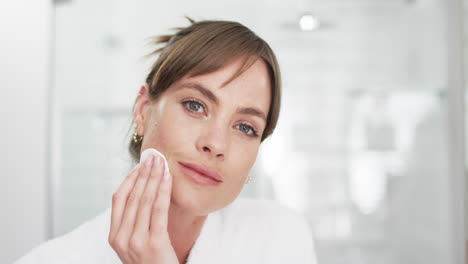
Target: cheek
[[173, 131], [166, 131], [241, 163]]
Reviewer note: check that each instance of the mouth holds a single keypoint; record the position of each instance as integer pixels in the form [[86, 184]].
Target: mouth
[[200, 174]]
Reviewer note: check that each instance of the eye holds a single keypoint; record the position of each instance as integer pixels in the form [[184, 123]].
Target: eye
[[193, 106], [244, 128]]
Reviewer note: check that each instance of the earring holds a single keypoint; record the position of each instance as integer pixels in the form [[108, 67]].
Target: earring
[[137, 138], [248, 179]]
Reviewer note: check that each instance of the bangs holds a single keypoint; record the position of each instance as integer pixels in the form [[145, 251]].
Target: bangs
[[209, 65], [207, 50]]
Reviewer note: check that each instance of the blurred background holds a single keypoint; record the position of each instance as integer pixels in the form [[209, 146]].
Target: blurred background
[[372, 121]]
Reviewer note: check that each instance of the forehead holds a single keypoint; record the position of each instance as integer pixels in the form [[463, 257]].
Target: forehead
[[250, 89]]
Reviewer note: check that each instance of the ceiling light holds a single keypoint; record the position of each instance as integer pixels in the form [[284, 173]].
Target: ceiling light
[[308, 22]]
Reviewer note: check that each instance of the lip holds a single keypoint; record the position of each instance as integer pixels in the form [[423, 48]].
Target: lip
[[200, 174]]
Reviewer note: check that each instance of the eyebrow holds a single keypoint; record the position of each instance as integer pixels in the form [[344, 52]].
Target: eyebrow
[[212, 97]]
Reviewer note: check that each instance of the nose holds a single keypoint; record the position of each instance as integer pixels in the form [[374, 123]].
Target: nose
[[214, 142]]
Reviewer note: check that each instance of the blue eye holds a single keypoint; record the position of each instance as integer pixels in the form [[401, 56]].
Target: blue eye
[[246, 129], [193, 106]]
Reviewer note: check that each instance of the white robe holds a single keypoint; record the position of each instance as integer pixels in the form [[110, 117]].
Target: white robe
[[246, 231]]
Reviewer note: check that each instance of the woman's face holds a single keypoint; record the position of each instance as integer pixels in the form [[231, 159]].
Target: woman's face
[[199, 121]]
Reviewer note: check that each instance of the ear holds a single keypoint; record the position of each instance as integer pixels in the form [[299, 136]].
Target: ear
[[140, 113]]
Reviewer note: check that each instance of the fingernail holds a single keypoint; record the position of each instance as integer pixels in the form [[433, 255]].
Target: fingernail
[[149, 160]]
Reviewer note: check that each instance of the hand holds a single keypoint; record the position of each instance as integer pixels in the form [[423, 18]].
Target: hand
[[138, 232]]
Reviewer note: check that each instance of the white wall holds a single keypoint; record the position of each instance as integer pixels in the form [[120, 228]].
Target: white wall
[[24, 78]]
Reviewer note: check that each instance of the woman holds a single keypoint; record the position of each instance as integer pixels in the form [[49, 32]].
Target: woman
[[212, 96]]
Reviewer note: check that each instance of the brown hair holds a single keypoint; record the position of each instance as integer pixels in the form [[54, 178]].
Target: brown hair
[[205, 47]]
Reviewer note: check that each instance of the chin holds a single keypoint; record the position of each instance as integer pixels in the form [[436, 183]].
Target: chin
[[196, 199]]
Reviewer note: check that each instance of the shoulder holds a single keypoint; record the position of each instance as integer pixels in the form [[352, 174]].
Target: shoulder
[[282, 231], [85, 244]]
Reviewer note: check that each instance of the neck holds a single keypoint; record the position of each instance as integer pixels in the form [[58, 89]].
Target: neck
[[183, 228]]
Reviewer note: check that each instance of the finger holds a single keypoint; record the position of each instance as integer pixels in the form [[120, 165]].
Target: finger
[[119, 200], [128, 222], [160, 211], [147, 200]]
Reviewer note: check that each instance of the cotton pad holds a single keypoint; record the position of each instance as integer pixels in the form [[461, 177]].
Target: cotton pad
[[151, 151]]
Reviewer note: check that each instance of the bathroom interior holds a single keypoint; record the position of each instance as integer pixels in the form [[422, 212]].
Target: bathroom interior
[[372, 121]]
